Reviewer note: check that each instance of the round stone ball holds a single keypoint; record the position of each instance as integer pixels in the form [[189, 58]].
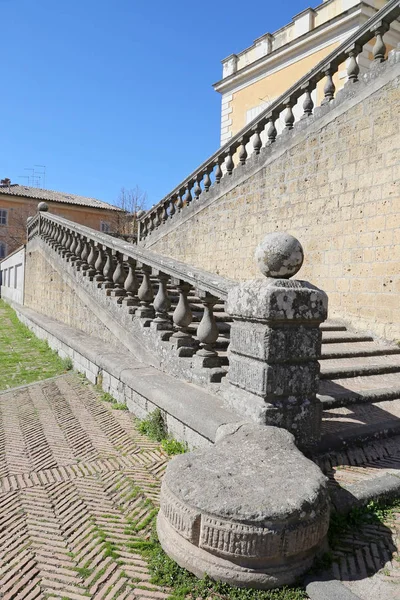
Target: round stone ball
[[279, 255], [140, 213], [43, 207], [29, 219]]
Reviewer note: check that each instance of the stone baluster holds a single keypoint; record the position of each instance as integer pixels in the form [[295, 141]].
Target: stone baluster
[[144, 228], [145, 294], [91, 261], [157, 220], [289, 116], [56, 233], [207, 334], [164, 212], [99, 264], [78, 250], [161, 303], [257, 143], [379, 49], [272, 132], [308, 104], [353, 69], [73, 247], [218, 171], [275, 343], [181, 339], [68, 245], [179, 201], [131, 286], [229, 164], [118, 278], [188, 196], [197, 187], [329, 88], [172, 209], [83, 265], [108, 269], [242, 151], [61, 248], [207, 179]]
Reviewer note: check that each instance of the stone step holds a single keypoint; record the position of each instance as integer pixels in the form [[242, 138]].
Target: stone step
[[352, 425], [337, 368], [335, 337], [345, 349], [332, 326], [357, 474], [359, 390]]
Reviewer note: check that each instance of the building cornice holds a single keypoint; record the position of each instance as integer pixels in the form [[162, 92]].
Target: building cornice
[[312, 39]]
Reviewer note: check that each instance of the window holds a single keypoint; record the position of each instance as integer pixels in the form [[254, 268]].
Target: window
[[3, 249], [3, 216], [104, 227]]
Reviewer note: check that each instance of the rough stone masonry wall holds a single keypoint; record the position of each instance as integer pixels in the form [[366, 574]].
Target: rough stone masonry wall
[[337, 189], [47, 293]]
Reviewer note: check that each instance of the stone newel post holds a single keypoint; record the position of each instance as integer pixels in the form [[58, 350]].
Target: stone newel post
[[275, 343]]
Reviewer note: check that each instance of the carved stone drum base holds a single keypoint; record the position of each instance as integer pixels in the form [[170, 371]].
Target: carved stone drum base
[[251, 511]]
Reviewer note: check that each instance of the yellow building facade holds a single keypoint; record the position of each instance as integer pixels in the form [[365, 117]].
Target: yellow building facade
[[258, 75]]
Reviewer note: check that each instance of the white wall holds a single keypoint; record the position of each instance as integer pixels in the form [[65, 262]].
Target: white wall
[[12, 274]]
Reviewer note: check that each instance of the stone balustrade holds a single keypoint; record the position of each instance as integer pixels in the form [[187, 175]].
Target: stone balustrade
[[256, 344], [234, 154]]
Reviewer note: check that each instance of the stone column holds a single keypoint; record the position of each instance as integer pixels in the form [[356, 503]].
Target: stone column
[[275, 343]]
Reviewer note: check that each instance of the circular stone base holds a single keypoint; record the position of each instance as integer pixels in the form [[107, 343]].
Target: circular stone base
[[202, 563]]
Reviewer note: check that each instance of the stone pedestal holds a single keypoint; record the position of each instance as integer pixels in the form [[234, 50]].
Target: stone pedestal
[[274, 347], [251, 511]]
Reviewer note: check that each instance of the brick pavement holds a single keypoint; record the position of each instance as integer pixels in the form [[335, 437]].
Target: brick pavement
[[78, 485]]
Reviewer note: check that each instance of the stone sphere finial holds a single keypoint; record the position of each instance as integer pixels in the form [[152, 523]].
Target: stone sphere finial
[[279, 255], [140, 213], [43, 207]]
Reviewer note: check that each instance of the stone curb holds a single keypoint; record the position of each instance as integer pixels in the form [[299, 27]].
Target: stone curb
[[329, 589], [359, 494]]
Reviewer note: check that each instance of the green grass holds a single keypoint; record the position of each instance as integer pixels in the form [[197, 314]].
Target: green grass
[[23, 357], [155, 428]]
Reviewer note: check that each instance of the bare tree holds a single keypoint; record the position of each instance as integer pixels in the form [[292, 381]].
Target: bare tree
[[132, 201]]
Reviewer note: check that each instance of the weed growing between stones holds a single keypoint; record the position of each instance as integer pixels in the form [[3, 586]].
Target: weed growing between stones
[[67, 363], [155, 428], [106, 397]]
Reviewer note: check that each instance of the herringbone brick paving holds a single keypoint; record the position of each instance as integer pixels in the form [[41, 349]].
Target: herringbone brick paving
[[78, 485]]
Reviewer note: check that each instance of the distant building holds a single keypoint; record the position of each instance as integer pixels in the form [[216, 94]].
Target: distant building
[[18, 202], [259, 74]]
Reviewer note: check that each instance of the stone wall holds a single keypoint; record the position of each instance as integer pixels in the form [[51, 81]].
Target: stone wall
[[334, 183], [49, 294]]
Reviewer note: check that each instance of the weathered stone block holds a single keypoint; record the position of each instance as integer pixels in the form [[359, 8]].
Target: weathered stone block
[[250, 511]]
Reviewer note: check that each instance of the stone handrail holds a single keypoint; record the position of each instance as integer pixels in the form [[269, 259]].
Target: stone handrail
[[201, 280], [234, 153]]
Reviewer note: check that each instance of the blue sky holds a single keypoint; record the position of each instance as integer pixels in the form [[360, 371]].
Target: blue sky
[[112, 93]]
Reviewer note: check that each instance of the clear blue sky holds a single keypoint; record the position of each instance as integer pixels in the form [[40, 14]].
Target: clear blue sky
[[112, 93]]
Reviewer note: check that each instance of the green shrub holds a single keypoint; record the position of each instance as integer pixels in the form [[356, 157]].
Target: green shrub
[[172, 446], [154, 426]]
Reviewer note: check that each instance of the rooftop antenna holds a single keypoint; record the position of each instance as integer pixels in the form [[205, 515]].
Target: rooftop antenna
[[31, 176], [43, 172]]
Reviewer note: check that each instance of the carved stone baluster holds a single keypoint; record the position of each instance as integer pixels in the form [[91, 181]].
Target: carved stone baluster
[[172, 209], [99, 264], [184, 343], [207, 334], [243, 151], [157, 220], [218, 172], [131, 286], [272, 132], [108, 270], [188, 196], [73, 247], [145, 228], [257, 143], [57, 234], [308, 104], [145, 293], [207, 180], [229, 164], [197, 187], [119, 277], [151, 223], [379, 49], [179, 201], [164, 212], [78, 251], [353, 69], [68, 245], [91, 261], [161, 303], [289, 116], [61, 246], [329, 88], [84, 255]]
